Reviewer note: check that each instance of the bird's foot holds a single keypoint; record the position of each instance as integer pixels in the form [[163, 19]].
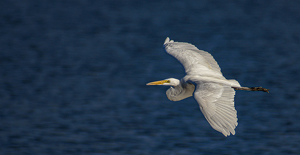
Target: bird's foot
[[259, 89]]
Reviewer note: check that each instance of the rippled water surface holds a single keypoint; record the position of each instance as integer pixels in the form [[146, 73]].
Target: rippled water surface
[[73, 75]]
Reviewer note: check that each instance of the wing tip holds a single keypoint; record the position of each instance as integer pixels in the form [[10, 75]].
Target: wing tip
[[228, 132], [168, 41]]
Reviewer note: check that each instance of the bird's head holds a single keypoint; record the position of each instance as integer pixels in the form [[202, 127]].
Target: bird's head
[[166, 82]]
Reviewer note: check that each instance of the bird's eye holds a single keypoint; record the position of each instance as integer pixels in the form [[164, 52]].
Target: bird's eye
[[167, 81]]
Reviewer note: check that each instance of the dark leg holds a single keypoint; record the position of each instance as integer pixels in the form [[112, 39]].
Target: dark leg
[[252, 89]]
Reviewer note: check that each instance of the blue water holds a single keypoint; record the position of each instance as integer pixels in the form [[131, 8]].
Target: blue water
[[73, 75]]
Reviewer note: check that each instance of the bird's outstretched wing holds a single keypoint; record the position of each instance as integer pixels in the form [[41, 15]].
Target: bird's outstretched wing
[[194, 61], [213, 92], [216, 102]]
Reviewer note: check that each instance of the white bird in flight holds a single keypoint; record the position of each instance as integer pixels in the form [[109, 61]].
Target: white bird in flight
[[213, 92]]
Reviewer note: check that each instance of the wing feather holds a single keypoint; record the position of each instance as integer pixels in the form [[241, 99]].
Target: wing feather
[[193, 59], [216, 102]]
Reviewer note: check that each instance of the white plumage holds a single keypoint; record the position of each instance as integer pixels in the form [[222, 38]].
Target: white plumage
[[213, 92]]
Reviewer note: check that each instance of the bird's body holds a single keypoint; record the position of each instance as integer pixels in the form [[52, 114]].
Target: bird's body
[[213, 92]]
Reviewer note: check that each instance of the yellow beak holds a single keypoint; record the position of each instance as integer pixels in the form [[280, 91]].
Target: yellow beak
[[158, 82]]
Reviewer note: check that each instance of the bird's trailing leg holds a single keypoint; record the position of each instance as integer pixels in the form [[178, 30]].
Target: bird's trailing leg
[[252, 89]]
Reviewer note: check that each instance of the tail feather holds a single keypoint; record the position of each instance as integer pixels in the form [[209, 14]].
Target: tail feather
[[235, 83]]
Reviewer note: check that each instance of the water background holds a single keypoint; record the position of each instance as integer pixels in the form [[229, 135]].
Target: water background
[[73, 75]]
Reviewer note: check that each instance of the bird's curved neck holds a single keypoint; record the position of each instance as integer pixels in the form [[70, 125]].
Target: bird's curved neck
[[180, 91]]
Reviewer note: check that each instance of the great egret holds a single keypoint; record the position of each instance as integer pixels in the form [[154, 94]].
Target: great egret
[[214, 93]]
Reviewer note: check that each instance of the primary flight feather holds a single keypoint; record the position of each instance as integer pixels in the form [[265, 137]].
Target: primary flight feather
[[213, 92]]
